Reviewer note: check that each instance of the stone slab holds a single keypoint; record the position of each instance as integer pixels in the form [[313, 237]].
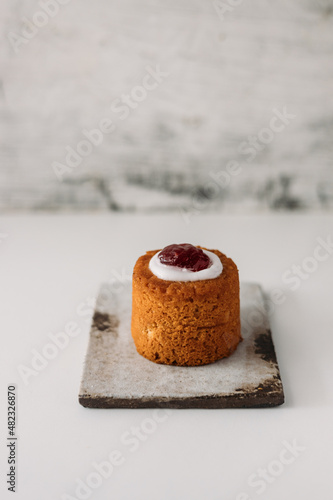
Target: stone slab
[[116, 376]]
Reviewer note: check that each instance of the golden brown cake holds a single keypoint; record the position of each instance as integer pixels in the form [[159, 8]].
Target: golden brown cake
[[185, 323]]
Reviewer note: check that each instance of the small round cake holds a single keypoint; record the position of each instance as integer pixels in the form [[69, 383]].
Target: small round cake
[[185, 305]]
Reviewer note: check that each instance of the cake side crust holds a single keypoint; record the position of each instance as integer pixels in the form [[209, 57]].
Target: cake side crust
[[185, 323]]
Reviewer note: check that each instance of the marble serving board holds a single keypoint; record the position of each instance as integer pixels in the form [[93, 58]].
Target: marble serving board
[[116, 376]]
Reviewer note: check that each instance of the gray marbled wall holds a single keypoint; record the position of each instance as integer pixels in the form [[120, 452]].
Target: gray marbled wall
[[166, 105]]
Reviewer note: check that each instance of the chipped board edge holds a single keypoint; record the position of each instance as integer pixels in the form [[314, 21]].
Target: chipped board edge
[[263, 399]]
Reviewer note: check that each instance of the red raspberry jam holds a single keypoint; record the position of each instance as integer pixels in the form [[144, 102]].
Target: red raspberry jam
[[185, 256]]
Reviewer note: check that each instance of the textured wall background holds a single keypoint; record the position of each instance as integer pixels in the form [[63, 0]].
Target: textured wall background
[[67, 65]]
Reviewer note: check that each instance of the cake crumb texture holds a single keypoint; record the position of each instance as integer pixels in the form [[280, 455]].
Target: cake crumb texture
[[185, 323]]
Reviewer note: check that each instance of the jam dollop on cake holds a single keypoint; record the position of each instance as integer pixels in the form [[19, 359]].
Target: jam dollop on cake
[[185, 256]]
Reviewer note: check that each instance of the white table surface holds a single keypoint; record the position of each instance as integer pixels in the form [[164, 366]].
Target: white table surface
[[52, 264]]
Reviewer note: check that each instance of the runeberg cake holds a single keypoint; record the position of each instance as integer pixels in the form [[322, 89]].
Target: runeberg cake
[[185, 308]]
